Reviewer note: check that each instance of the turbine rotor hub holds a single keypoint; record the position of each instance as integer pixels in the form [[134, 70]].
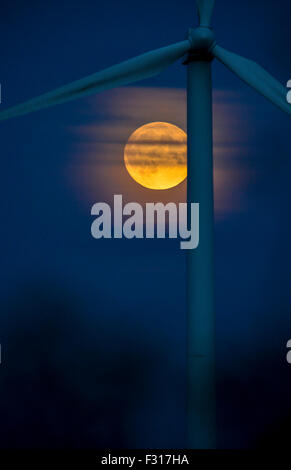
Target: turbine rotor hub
[[201, 39]]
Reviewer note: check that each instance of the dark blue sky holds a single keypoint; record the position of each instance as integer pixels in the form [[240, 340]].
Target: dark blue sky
[[93, 334]]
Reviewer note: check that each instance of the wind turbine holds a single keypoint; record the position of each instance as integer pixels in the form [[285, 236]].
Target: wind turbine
[[201, 48]]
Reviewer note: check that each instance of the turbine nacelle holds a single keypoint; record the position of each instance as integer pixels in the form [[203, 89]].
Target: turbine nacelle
[[202, 39]]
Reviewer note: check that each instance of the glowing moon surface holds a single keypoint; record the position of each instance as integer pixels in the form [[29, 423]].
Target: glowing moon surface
[[155, 155]]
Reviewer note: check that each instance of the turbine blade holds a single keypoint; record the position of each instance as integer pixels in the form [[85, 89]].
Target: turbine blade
[[205, 9], [139, 68], [255, 76]]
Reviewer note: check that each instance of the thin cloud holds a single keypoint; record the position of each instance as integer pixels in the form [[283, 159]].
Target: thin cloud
[[98, 166]]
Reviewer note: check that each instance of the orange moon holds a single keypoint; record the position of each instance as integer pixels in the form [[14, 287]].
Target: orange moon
[[155, 155]]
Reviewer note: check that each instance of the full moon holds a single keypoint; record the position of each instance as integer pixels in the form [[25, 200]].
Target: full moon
[[155, 155]]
